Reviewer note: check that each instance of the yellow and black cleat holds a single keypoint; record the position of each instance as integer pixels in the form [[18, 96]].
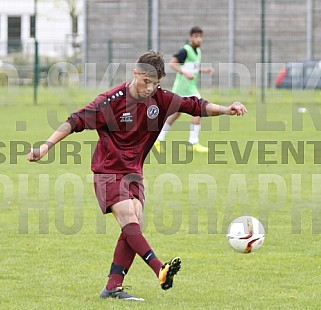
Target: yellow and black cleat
[[168, 271], [160, 146]]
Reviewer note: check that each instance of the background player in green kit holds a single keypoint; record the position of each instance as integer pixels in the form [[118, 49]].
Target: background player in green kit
[[187, 63]]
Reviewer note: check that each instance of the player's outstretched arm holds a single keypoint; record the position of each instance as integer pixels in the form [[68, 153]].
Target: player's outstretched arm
[[208, 70], [62, 132], [236, 108]]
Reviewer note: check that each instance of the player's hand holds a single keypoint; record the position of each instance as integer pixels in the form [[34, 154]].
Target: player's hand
[[188, 75], [37, 154], [237, 108], [210, 70]]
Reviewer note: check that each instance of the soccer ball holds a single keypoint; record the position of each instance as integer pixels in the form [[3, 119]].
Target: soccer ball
[[246, 234]]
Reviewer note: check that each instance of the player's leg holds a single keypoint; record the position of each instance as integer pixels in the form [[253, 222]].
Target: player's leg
[[125, 212], [172, 118], [128, 214], [166, 128], [195, 128], [123, 258], [122, 261], [124, 254], [168, 125]]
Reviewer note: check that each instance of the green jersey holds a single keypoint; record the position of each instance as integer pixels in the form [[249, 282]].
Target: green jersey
[[182, 86]]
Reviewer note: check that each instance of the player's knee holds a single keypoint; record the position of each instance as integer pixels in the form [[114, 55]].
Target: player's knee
[[128, 216]]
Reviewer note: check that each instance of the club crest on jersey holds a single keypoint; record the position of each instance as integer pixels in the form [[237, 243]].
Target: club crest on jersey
[[152, 111]]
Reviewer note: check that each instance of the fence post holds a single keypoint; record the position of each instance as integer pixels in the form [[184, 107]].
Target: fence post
[[155, 23], [310, 42], [149, 25], [231, 43], [110, 61], [262, 51], [36, 60], [84, 46], [269, 45]]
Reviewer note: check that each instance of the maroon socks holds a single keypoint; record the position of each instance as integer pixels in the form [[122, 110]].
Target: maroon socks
[[130, 242]]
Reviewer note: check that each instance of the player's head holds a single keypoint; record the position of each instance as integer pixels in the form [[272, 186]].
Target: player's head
[[149, 70], [151, 63], [195, 36]]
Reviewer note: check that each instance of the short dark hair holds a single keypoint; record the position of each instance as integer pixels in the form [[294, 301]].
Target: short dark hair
[[152, 63], [196, 29]]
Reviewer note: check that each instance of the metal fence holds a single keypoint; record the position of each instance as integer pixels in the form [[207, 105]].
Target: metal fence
[[17, 63], [240, 32], [238, 36]]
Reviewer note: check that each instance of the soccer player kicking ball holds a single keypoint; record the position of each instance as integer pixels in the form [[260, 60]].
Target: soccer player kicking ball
[[128, 119]]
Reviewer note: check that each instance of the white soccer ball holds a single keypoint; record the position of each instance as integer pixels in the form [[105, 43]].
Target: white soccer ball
[[246, 234]]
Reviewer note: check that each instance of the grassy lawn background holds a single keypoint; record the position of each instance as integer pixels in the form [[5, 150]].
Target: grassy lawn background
[[60, 259]]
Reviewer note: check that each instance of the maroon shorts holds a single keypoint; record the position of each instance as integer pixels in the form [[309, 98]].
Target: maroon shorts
[[113, 188]]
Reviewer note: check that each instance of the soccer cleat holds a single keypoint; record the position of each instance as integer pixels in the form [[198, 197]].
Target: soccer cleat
[[119, 293], [198, 148], [160, 146], [168, 272], [157, 145]]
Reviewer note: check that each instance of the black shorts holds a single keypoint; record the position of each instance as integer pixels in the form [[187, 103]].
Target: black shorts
[[113, 188]]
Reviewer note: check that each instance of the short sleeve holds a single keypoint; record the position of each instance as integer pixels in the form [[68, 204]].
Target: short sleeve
[[181, 55]]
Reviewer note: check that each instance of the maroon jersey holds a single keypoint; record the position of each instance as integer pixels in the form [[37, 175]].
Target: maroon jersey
[[128, 127]]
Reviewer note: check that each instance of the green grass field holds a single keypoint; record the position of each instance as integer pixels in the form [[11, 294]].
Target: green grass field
[[56, 247]]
